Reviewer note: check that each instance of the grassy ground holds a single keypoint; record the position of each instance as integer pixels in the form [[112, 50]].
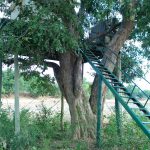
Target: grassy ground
[[41, 131]]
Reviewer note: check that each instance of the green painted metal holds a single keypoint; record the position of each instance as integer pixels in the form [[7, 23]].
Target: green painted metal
[[118, 118], [119, 98], [99, 116], [126, 75], [102, 68], [117, 105]]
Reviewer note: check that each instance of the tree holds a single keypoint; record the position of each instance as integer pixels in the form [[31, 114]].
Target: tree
[[56, 31]]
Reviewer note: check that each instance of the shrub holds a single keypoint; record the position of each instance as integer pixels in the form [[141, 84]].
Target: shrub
[[42, 131], [34, 84], [132, 136]]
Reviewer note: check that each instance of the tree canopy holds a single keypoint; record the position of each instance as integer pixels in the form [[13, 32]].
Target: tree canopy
[[45, 26]]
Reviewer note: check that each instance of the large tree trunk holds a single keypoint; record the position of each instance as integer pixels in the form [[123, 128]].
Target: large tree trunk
[[69, 77], [111, 56], [71, 83], [82, 120]]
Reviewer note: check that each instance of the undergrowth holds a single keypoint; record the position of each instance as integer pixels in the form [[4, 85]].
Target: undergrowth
[[41, 131]]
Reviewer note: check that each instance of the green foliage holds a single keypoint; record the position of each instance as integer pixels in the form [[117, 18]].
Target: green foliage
[[47, 29], [41, 85], [34, 84], [35, 130], [8, 81], [141, 32], [54, 26], [131, 60], [42, 131], [132, 136], [6, 127], [137, 92], [87, 87]]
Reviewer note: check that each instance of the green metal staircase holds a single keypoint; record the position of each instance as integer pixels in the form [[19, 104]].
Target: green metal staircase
[[141, 115]]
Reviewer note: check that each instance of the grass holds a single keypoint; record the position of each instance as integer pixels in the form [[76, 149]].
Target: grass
[[42, 132]]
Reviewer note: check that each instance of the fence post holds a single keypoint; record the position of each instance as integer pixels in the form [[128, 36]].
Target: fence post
[[16, 91]]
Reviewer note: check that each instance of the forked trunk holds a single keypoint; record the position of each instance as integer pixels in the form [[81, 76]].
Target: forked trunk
[[109, 60], [69, 78]]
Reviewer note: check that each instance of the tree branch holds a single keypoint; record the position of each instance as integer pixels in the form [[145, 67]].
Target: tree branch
[[56, 69], [113, 50]]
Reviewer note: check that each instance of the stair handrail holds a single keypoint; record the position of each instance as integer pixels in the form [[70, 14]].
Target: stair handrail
[[108, 48], [124, 104], [125, 75]]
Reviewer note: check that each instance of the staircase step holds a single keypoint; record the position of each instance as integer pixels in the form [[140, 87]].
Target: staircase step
[[110, 78], [106, 74], [146, 122], [117, 82], [132, 102], [100, 64], [142, 108], [119, 87], [125, 92], [125, 97], [101, 67]]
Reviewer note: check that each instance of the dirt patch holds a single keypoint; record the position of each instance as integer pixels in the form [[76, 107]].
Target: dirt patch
[[54, 103]]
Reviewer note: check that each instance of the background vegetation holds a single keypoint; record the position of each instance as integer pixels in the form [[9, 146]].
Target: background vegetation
[[33, 84]]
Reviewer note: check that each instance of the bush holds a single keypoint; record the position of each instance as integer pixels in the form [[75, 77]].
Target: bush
[[42, 131], [8, 81], [6, 128], [132, 136], [38, 131]]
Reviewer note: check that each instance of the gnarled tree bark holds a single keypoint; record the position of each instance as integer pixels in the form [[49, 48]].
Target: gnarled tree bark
[[110, 56], [69, 78]]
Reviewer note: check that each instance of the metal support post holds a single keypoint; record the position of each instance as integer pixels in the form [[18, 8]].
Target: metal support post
[[118, 117], [117, 105], [99, 114]]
